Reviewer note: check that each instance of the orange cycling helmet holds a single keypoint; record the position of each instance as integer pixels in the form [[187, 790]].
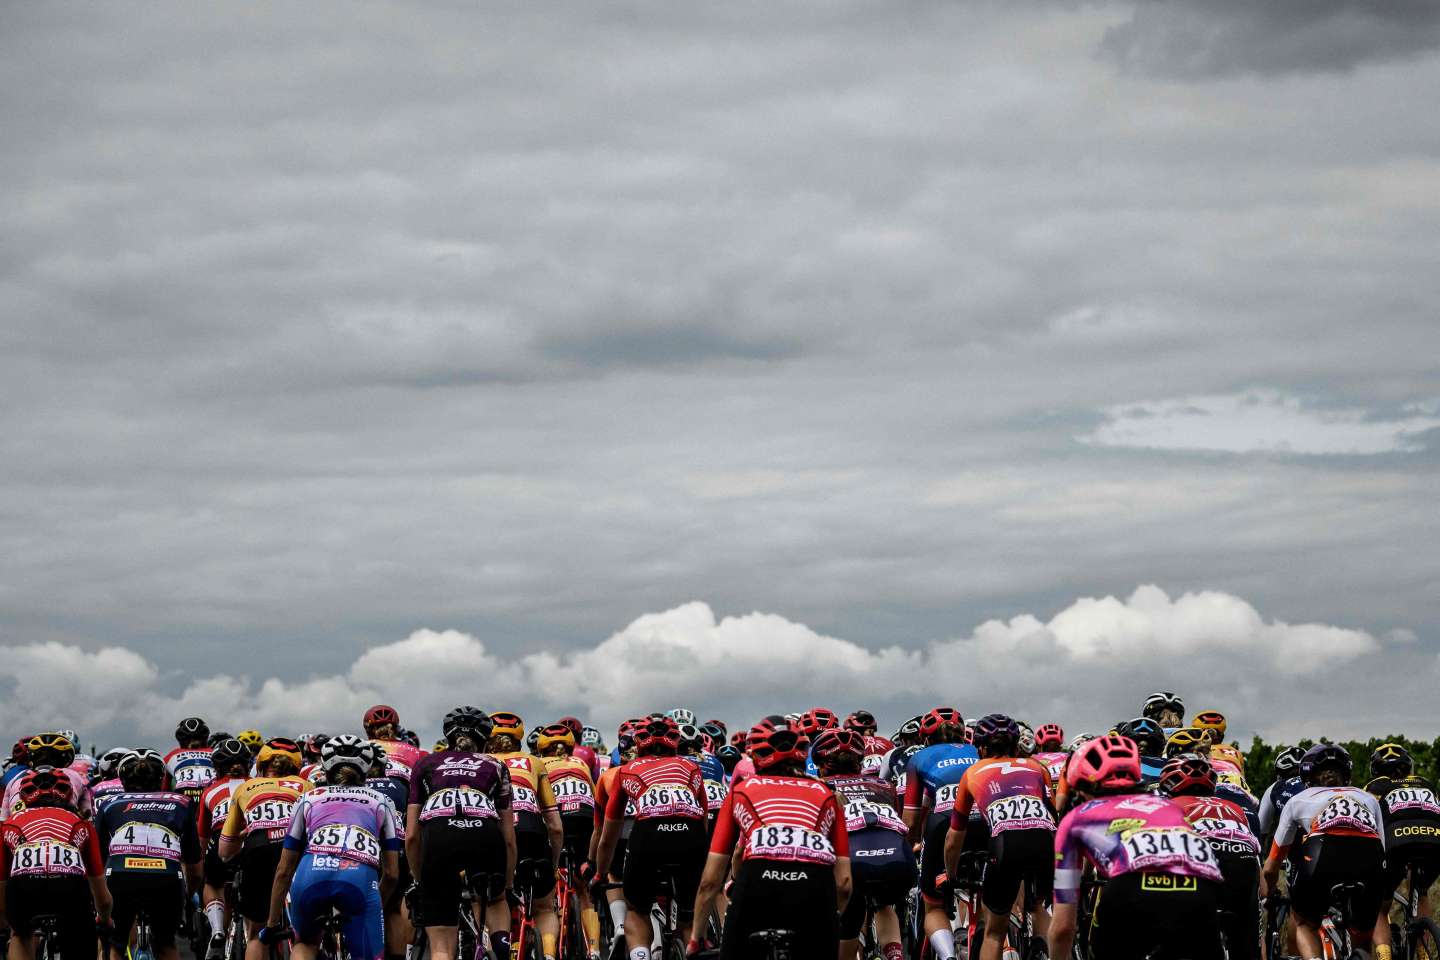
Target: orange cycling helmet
[[1211, 721], [556, 734], [277, 748], [507, 724]]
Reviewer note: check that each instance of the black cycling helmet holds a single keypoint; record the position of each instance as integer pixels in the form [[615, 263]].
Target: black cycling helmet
[[1158, 703], [229, 753], [191, 729], [1148, 735], [714, 729], [217, 738], [1325, 756], [142, 771], [1287, 762], [1391, 760], [471, 720], [728, 756], [996, 734]]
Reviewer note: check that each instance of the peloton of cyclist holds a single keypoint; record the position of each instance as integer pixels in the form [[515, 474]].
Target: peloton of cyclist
[[231, 762], [539, 833], [574, 789]]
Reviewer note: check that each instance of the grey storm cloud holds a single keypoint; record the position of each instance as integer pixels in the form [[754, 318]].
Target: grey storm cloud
[[1196, 39]]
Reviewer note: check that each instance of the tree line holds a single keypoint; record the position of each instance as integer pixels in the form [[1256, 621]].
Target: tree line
[[1260, 758]]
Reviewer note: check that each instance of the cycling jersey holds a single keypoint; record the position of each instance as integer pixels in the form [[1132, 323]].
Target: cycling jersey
[[1276, 796], [214, 807], [572, 785], [782, 818], [869, 805], [894, 764], [873, 758], [1227, 827], [397, 791], [717, 786], [461, 789], [260, 809], [190, 769], [882, 863], [461, 797], [1010, 793], [661, 787], [1327, 811], [933, 775], [48, 842], [1054, 763], [105, 788], [531, 795], [1223, 823], [1338, 833], [79, 784], [591, 760], [148, 833], [400, 758], [1133, 833], [1411, 818]]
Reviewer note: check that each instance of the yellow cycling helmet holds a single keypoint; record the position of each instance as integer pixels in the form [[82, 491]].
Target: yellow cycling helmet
[[557, 734], [507, 724], [57, 744], [440, 746], [1212, 721], [277, 748], [251, 739], [1187, 740]]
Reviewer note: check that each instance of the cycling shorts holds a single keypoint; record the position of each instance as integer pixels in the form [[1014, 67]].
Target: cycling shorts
[[28, 897], [1019, 857], [257, 877], [1400, 855], [217, 872], [534, 846], [1240, 899], [671, 848], [353, 891], [782, 895], [932, 851], [617, 862], [1138, 915], [446, 852], [578, 830], [159, 897], [883, 870], [1332, 859]]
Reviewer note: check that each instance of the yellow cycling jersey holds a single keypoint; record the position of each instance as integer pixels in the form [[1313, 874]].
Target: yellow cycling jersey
[[532, 795], [571, 786], [260, 809]]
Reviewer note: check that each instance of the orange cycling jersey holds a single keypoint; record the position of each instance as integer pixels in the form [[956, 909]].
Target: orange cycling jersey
[[532, 796], [571, 785], [260, 809], [1012, 793]]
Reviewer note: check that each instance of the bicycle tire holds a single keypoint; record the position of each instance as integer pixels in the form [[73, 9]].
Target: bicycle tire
[[1422, 939], [572, 945]]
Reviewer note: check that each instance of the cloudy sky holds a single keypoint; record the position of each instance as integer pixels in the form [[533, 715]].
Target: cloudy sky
[[595, 357]]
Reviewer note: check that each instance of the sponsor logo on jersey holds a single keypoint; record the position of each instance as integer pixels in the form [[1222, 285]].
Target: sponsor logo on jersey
[[1123, 824], [145, 863], [1418, 830], [783, 875], [672, 827], [954, 762], [1166, 883], [876, 853]]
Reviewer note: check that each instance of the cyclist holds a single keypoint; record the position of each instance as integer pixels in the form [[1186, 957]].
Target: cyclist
[[1161, 880], [17, 764], [881, 861], [574, 790], [231, 761], [729, 756], [1165, 709], [539, 834], [1012, 795], [252, 740], [1187, 740], [1190, 781], [604, 787], [50, 863], [1338, 827], [382, 724], [254, 831], [931, 779], [189, 763], [106, 779], [668, 838], [1286, 784], [580, 751], [908, 742], [310, 747], [399, 931], [1050, 750], [692, 747], [341, 854], [152, 853], [1411, 818], [1150, 738], [794, 869], [51, 751], [459, 822]]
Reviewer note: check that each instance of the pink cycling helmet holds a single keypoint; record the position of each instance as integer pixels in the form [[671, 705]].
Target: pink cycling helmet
[[1109, 761]]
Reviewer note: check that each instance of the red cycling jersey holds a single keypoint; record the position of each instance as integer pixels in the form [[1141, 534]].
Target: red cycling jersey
[[214, 807], [659, 787], [49, 842], [785, 818]]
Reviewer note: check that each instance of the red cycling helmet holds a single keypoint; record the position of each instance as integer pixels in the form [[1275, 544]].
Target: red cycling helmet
[[771, 747], [1108, 761], [660, 735], [937, 719], [838, 742], [574, 724], [1050, 734], [46, 788], [21, 751], [381, 714], [738, 739], [1188, 775], [817, 719], [862, 721]]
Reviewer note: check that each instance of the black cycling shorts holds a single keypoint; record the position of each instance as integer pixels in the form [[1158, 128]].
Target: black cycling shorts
[[257, 879], [1331, 859], [1240, 899], [883, 869], [159, 897], [1016, 857], [1402, 853], [534, 866], [445, 853], [1138, 915], [932, 851], [671, 848], [617, 862], [67, 898], [217, 872], [578, 831], [782, 895]]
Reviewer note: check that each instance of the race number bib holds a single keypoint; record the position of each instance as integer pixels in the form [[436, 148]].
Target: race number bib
[[785, 842], [945, 797], [458, 802], [864, 814], [270, 817], [667, 800], [1216, 828], [1345, 813], [345, 840], [1164, 847], [46, 858], [136, 839], [195, 776], [572, 793], [523, 799], [1022, 812], [218, 814], [715, 794], [1412, 798]]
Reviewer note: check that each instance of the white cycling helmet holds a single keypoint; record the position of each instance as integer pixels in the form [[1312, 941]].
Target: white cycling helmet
[[347, 750], [681, 716], [592, 738], [1079, 739]]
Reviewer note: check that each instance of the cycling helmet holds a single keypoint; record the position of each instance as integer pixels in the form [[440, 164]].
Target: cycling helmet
[[863, 722], [1148, 735], [143, 770], [817, 719], [109, 766], [1324, 756], [774, 747], [1211, 721], [681, 715], [715, 730], [280, 748], [1158, 703], [229, 753], [728, 756], [216, 736], [1187, 740], [1188, 775], [660, 736], [1050, 736], [191, 729], [738, 739], [592, 738], [941, 722], [72, 736], [46, 788], [996, 734], [440, 747], [692, 741], [471, 720], [1078, 741], [532, 740], [312, 743], [408, 736], [251, 739], [1104, 763], [838, 744], [347, 750], [1025, 746], [555, 735], [381, 714], [1228, 752], [49, 750], [1287, 762], [1391, 760], [574, 724], [507, 724]]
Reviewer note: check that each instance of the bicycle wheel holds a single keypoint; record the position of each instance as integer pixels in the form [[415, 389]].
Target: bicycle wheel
[[572, 943], [1422, 938]]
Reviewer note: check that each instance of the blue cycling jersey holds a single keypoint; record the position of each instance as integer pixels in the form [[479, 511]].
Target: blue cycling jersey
[[932, 775]]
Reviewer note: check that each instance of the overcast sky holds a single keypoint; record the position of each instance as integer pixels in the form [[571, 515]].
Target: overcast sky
[[327, 329]]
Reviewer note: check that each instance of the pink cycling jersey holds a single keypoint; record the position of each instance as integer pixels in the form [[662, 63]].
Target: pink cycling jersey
[[1134, 833]]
